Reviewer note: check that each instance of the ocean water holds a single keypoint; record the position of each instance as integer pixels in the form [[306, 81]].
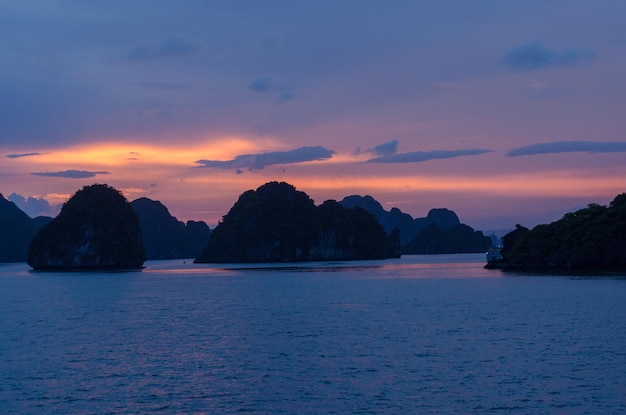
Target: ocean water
[[416, 335]]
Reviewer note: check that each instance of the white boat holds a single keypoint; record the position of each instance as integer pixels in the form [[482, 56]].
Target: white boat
[[494, 254]]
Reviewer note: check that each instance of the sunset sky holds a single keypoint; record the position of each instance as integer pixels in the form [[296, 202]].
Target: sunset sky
[[504, 111]]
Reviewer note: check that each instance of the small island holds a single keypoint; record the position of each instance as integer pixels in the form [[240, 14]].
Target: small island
[[96, 229], [593, 238], [277, 223]]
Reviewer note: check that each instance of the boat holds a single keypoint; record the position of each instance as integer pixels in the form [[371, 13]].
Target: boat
[[494, 254]]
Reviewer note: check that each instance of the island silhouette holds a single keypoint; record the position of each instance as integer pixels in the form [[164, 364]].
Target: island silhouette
[[592, 238], [165, 237], [96, 228]]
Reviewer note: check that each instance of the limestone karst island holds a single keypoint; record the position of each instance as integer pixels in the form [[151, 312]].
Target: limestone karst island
[[98, 228], [593, 238]]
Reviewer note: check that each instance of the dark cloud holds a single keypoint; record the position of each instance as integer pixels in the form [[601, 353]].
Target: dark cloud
[[419, 156], [263, 85], [262, 160], [34, 206], [389, 147], [15, 156], [570, 147], [170, 48], [267, 85], [388, 153], [535, 56], [71, 174]]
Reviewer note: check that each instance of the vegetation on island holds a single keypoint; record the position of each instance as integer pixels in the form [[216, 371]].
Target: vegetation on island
[[96, 228], [273, 223], [277, 223], [590, 238]]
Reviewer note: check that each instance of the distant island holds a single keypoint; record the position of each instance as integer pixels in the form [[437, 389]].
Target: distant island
[[590, 238], [164, 236], [96, 229], [277, 223], [346, 225], [440, 232], [17, 231]]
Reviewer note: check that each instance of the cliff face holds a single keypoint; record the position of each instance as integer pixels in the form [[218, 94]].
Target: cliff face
[[164, 236], [277, 223], [17, 230], [591, 238], [96, 228]]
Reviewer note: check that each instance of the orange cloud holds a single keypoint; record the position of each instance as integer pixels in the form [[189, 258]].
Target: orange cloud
[[120, 154]]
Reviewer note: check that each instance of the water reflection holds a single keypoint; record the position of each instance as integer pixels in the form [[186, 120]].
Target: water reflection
[[434, 335], [409, 266]]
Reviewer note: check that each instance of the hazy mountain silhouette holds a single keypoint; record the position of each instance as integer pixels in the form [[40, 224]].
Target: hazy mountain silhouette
[[17, 230], [439, 232], [164, 236], [455, 239], [395, 218], [388, 219]]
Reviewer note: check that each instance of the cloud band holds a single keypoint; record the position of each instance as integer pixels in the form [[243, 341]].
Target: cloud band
[[261, 160], [569, 147]]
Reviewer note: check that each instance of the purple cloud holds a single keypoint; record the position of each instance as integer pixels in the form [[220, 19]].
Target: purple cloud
[[34, 206], [420, 156], [534, 56], [261, 160], [569, 147], [267, 85], [19, 155], [71, 174]]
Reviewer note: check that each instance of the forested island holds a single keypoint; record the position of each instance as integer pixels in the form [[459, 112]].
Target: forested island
[[275, 222], [590, 238], [97, 228]]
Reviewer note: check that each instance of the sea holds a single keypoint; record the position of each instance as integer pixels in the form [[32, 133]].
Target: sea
[[415, 335]]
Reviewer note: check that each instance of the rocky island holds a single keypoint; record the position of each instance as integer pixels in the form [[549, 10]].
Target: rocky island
[[277, 223], [96, 229], [440, 232], [592, 238]]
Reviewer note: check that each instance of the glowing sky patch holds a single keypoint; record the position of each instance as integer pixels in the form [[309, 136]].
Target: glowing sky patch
[[466, 107]]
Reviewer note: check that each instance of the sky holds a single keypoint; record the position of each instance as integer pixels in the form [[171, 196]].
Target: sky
[[506, 112]]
